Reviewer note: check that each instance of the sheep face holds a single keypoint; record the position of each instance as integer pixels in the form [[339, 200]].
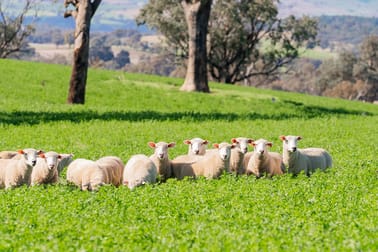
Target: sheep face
[[51, 159], [30, 155], [224, 150], [290, 142], [161, 149], [261, 146], [196, 145], [242, 143]]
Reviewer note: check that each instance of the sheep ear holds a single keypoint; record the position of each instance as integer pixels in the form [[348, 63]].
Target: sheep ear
[[269, 144], [187, 141], [216, 146], [152, 144], [233, 146], [283, 138], [20, 152], [59, 156], [250, 140], [299, 137], [233, 140], [205, 142], [253, 144], [171, 145], [40, 152], [42, 155]]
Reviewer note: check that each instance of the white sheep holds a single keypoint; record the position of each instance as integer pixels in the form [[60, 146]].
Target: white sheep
[[139, 170], [264, 162], [161, 159], [238, 153], [46, 169], [17, 172], [211, 165], [8, 154], [86, 174], [306, 160], [64, 161], [113, 166], [197, 146]]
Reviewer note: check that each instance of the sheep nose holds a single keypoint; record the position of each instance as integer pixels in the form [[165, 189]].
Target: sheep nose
[[294, 149], [196, 151], [245, 150], [34, 162], [262, 151]]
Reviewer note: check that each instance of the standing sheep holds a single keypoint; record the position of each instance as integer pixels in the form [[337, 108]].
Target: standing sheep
[[306, 160], [138, 171], [197, 146], [238, 154], [113, 166], [211, 165], [17, 172], [264, 162], [8, 154], [161, 159], [46, 169], [86, 174]]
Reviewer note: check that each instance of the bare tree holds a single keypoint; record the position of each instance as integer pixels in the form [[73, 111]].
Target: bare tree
[[197, 13], [13, 31], [82, 13]]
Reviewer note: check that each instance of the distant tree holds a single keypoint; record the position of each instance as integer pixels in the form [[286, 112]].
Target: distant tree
[[82, 13], [246, 38], [122, 59], [185, 24], [14, 30]]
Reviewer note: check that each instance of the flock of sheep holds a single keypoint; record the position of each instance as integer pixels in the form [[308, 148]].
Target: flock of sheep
[[32, 167]]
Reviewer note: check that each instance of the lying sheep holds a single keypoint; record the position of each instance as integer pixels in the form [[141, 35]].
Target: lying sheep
[[64, 161], [8, 154], [86, 174], [161, 159], [306, 160], [211, 165], [17, 172], [138, 171], [113, 166], [197, 146], [264, 162], [46, 169], [238, 153]]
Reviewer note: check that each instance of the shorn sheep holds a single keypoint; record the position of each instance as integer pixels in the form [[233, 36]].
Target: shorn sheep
[[211, 165], [161, 159], [8, 154], [238, 154], [197, 146], [139, 170], [113, 166], [17, 172], [306, 160], [264, 162], [46, 169]]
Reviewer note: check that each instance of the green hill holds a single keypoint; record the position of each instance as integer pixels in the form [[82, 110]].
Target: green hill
[[333, 210]]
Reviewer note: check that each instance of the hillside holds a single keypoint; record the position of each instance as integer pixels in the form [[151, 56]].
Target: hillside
[[335, 210]]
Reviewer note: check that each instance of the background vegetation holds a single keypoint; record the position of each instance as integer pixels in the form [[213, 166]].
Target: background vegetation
[[334, 210]]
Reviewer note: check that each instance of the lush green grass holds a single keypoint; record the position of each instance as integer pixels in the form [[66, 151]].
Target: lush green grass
[[335, 210]]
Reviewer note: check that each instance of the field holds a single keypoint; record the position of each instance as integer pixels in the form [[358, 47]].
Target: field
[[335, 210]]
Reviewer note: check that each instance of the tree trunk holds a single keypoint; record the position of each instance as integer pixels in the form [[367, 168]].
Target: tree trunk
[[197, 18], [83, 14]]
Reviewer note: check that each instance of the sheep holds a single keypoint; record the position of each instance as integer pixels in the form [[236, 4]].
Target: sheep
[[86, 174], [113, 166], [46, 169], [197, 146], [306, 160], [64, 161], [8, 154], [211, 165], [161, 159], [17, 172], [264, 162], [238, 153], [138, 171]]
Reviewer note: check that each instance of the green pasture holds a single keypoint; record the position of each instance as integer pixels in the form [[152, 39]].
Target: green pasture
[[335, 210]]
